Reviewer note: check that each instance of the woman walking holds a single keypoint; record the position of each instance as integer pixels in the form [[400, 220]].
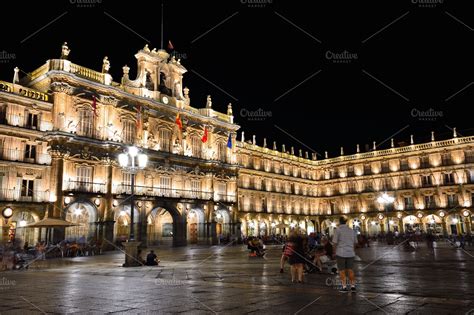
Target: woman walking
[[297, 258]]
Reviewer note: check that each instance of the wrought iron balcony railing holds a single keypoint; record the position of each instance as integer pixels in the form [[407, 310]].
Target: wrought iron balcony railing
[[84, 186], [17, 194]]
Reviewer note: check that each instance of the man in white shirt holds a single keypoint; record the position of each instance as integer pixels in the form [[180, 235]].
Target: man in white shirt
[[344, 241]]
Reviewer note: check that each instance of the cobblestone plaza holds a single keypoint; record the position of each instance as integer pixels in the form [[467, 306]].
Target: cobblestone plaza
[[224, 280]]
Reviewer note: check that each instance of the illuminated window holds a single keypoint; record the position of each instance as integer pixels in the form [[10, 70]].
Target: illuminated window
[[165, 139], [196, 145], [85, 125], [129, 131]]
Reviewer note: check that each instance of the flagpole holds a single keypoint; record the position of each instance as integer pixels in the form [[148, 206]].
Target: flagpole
[[162, 25]]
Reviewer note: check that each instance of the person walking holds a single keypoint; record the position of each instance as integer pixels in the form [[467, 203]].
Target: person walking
[[344, 242], [297, 259]]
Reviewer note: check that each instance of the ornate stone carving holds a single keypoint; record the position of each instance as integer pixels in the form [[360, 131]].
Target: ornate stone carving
[[105, 65], [62, 87], [65, 51], [108, 100]]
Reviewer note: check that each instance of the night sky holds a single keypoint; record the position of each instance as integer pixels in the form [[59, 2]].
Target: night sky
[[394, 60]]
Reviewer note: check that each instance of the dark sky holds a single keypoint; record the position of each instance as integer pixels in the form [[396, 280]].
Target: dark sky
[[400, 58]]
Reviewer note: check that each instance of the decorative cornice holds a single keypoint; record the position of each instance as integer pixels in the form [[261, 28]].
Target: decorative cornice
[[62, 87]]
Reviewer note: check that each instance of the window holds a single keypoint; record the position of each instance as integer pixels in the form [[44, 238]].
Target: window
[[129, 131], [27, 187], [452, 200], [165, 185], [429, 202], [84, 178], [448, 178], [222, 151], [196, 145], [165, 138], [408, 202], [195, 188], [30, 151], [426, 180], [85, 124], [32, 121]]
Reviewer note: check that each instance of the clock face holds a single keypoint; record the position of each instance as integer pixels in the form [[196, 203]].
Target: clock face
[[7, 212], [165, 100]]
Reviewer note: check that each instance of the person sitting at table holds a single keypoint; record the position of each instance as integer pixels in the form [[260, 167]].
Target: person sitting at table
[[152, 259]]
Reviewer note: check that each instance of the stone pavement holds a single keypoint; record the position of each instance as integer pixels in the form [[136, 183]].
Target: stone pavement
[[224, 280]]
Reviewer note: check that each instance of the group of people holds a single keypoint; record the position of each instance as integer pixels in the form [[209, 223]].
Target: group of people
[[297, 251]]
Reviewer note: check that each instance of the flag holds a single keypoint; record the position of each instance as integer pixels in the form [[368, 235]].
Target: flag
[[94, 105], [139, 116], [204, 137], [178, 122], [229, 141], [170, 45]]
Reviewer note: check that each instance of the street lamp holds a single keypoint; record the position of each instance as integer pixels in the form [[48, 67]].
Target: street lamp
[[132, 161], [385, 200]]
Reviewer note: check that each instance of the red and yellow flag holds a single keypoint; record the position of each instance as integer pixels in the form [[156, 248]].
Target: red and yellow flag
[[178, 122], [204, 137]]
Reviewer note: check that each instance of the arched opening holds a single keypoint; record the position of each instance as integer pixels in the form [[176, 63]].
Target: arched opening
[[412, 224], [374, 226], [433, 224], [455, 224], [222, 218], [21, 233], [85, 215], [195, 228], [327, 227], [160, 229], [263, 228]]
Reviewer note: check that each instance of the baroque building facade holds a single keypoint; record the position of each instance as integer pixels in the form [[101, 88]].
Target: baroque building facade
[[63, 125]]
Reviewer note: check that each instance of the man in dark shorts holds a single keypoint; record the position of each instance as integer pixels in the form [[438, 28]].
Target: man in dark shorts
[[344, 241]]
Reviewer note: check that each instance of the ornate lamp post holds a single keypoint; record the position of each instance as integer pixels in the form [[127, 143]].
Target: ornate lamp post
[[132, 161]]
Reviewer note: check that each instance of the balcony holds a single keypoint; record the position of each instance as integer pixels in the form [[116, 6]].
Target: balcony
[[26, 122], [124, 189], [16, 195], [25, 157], [85, 187]]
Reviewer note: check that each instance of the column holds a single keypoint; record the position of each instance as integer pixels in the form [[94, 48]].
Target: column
[[107, 228], [56, 188]]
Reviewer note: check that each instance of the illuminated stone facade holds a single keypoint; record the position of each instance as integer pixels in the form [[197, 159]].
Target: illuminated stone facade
[[432, 185], [63, 125]]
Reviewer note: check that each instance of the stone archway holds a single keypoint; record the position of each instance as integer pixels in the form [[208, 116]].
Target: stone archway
[[223, 220], [84, 214], [195, 226], [166, 226], [23, 234]]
